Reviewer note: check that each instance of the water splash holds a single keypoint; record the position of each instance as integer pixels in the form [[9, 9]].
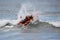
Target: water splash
[[27, 9]]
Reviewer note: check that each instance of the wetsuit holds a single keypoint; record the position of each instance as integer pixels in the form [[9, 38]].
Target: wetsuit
[[26, 20]]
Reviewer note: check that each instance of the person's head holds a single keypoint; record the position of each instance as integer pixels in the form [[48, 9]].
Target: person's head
[[31, 17]]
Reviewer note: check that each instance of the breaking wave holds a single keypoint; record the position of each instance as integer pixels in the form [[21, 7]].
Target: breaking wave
[[26, 9]]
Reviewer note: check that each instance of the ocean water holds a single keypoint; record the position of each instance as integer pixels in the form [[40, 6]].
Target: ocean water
[[49, 11], [41, 31]]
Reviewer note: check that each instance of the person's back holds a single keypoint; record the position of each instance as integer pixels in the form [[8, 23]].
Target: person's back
[[26, 20]]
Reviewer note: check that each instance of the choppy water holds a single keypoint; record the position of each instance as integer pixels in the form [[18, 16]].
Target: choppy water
[[41, 31], [10, 8]]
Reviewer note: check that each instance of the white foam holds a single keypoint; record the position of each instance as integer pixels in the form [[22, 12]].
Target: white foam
[[56, 24]]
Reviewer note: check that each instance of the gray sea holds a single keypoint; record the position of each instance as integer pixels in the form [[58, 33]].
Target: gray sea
[[50, 11]]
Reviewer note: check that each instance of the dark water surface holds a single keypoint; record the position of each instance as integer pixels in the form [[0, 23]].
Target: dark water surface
[[43, 31]]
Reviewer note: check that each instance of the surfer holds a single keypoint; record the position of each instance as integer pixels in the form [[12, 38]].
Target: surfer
[[26, 21]]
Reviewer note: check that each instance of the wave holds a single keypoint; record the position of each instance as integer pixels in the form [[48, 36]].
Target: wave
[[24, 11], [8, 25]]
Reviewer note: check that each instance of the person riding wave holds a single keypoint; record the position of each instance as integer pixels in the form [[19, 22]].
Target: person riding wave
[[26, 21]]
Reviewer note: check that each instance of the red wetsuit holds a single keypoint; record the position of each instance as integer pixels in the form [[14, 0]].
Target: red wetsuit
[[26, 20]]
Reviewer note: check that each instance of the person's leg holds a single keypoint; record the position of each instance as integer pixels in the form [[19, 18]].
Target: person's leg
[[27, 22], [19, 23], [25, 25]]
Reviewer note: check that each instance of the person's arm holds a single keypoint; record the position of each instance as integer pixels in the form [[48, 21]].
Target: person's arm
[[19, 23]]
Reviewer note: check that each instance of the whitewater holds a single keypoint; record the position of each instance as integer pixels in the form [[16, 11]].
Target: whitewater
[[46, 28], [26, 10], [31, 10]]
